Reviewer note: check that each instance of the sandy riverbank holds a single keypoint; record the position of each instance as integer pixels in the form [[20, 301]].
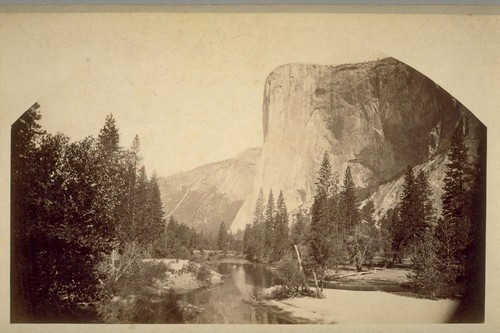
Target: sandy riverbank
[[362, 307]]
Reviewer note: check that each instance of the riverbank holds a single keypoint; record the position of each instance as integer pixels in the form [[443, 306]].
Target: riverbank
[[363, 307], [185, 276]]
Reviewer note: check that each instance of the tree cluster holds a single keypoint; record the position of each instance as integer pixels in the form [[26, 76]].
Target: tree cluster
[[267, 238], [444, 250], [179, 241], [73, 205], [339, 231]]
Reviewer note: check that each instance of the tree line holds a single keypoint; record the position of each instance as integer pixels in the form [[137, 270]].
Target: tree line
[[267, 238]]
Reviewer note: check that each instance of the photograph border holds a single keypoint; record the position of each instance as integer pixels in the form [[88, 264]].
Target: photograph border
[[468, 93]]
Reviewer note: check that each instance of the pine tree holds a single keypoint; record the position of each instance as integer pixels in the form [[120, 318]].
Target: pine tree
[[351, 220], [156, 219], [370, 235], [258, 232], [409, 208], [248, 250], [114, 173], [140, 211], [453, 228], [109, 138], [269, 225], [349, 204], [426, 212], [258, 214], [126, 228], [281, 230], [222, 238], [324, 242]]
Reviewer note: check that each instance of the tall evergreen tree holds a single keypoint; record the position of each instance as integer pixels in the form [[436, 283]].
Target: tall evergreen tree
[[409, 208], [453, 228], [128, 223], [247, 246], [258, 233], [269, 224], [352, 226], [140, 212], [349, 203], [281, 230], [156, 215], [222, 237], [323, 239], [109, 138], [427, 212]]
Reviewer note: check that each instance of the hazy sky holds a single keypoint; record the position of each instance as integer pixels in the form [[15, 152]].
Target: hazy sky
[[190, 85]]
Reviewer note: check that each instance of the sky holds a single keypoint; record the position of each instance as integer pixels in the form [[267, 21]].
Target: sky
[[190, 85]]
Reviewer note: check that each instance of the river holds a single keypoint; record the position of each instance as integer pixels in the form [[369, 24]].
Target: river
[[232, 301]]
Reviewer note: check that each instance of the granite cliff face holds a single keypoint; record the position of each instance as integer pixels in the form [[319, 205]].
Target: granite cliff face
[[208, 195], [376, 117]]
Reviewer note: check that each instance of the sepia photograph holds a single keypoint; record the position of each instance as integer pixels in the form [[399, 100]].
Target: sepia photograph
[[224, 167]]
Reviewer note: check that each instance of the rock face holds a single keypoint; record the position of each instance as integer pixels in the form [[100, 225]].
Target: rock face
[[376, 117], [210, 194]]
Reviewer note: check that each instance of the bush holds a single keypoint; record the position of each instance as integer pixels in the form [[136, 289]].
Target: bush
[[288, 274], [204, 275], [192, 267]]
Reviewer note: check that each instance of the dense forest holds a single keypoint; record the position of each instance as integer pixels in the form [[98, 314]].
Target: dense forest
[[84, 214]]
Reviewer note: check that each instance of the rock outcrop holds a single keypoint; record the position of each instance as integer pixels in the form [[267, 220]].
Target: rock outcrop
[[376, 117]]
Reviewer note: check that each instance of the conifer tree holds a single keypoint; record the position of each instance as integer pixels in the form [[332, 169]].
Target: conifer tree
[[348, 203], [156, 219], [281, 229], [453, 228], [109, 138], [222, 238], [269, 224], [323, 241], [351, 220], [257, 233], [409, 208], [247, 246], [140, 211], [126, 228]]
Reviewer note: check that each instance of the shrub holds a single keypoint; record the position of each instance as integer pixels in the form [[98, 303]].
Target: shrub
[[288, 274], [192, 267], [204, 275]]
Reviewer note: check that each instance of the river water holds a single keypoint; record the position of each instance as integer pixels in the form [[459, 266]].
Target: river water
[[232, 302]]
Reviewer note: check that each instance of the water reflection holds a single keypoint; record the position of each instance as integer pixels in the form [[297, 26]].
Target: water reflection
[[230, 302]]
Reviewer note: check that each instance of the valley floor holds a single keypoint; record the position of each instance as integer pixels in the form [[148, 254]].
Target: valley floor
[[362, 307]]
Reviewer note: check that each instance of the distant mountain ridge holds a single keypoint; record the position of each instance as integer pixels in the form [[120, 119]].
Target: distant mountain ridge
[[210, 194]]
